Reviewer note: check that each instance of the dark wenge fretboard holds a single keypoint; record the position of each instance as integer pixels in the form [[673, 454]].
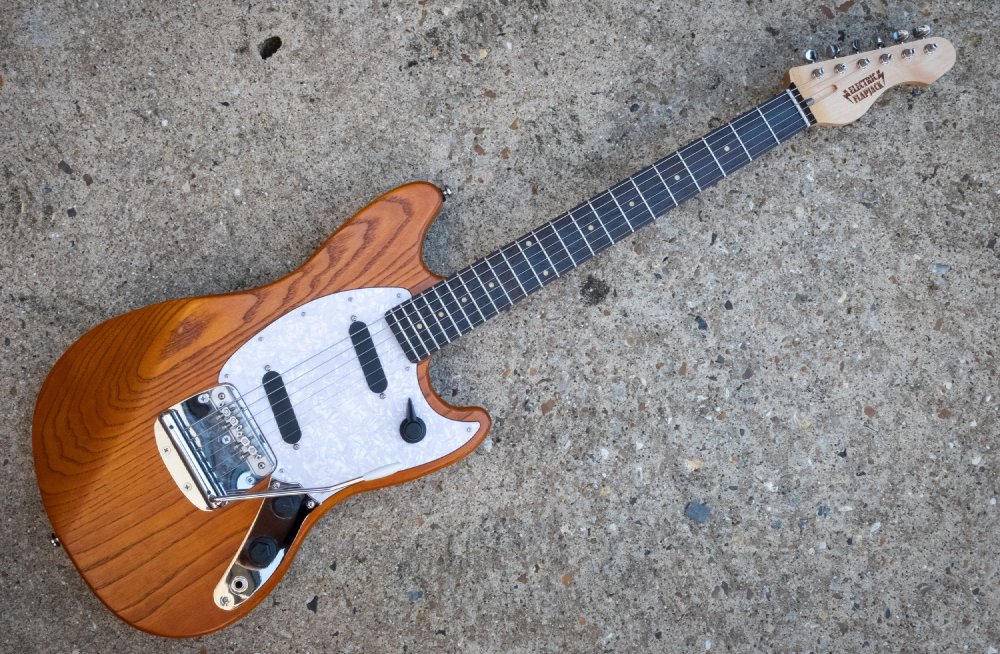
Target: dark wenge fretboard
[[430, 320]]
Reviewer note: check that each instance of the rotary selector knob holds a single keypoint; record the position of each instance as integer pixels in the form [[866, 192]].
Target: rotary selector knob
[[412, 429]]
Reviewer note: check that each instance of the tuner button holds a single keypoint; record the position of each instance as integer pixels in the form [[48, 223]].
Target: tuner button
[[833, 49], [909, 52], [886, 58], [819, 72], [923, 31], [810, 55], [898, 36], [840, 68], [412, 429], [930, 48], [856, 45], [864, 63], [879, 42]]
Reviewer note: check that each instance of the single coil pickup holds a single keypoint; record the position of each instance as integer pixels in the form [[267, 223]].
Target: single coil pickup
[[281, 406], [368, 356]]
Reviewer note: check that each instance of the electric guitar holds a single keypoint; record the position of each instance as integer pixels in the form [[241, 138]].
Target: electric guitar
[[185, 449]]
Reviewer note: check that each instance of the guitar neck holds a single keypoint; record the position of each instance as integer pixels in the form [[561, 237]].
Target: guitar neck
[[457, 304]]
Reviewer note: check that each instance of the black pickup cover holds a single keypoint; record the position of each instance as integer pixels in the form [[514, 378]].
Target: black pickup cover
[[370, 364], [281, 406]]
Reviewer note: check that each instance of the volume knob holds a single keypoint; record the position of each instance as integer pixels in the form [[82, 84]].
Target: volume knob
[[412, 429]]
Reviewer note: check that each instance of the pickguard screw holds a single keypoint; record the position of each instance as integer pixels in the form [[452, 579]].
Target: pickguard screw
[[311, 504], [381, 396], [350, 299], [303, 313], [223, 601], [204, 398], [267, 368], [222, 396], [166, 450], [468, 430], [295, 447], [187, 487], [275, 484]]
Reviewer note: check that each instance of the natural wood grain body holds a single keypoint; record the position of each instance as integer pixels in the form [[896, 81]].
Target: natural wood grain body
[[144, 549]]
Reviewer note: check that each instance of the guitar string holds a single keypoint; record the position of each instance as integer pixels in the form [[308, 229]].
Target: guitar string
[[652, 198], [765, 136], [686, 186]]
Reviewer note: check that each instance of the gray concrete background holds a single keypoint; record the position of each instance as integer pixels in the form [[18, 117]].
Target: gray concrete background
[[840, 422]]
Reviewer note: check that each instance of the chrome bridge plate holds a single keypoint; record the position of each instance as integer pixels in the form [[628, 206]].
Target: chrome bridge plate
[[211, 445]]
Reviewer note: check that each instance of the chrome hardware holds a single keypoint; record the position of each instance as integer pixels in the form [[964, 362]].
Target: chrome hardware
[[879, 42], [922, 31], [281, 491], [898, 36], [212, 449], [833, 49], [54, 541], [239, 584], [446, 192], [810, 56], [930, 48], [909, 52], [864, 63], [840, 68], [819, 72], [856, 45], [885, 58]]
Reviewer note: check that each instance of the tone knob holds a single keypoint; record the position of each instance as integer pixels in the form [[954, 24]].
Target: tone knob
[[412, 429]]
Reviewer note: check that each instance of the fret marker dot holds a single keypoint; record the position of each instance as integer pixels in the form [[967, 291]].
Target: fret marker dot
[[464, 300], [726, 149], [527, 244], [545, 273], [590, 228], [631, 203], [420, 325], [490, 284], [677, 178], [440, 314]]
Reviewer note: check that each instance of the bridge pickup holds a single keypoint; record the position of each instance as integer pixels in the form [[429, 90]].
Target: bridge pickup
[[281, 407], [368, 356]]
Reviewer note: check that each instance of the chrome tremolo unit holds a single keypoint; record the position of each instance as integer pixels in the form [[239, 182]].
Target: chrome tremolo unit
[[212, 446]]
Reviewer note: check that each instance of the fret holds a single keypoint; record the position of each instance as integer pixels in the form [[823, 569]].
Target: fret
[[449, 303], [631, 229], [523, 253], [764, 118], [583, 237], [737, 135], [488, 286], [678, 183], [434, 327], [681, 157], [593, 235], [560, 262], [398, 328], [420, 326], [514, 274], [714, 158], [652, 216], [701, 161], [467, 299], [754, 133], [664, 182], [726, 147], [538, 256], [653, 193], [572, 236], [499, 282], [783, 117], [798, 106]]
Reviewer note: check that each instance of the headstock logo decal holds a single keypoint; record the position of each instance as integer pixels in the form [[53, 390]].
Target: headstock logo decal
[[866, 87]]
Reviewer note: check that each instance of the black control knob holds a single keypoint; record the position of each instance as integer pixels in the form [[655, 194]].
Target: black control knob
[[262, 551], [412, 429]]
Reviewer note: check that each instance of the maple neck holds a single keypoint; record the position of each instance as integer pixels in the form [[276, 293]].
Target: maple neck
[[457, 304]]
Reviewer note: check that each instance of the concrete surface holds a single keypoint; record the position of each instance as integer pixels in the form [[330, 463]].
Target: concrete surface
[[813, 470]]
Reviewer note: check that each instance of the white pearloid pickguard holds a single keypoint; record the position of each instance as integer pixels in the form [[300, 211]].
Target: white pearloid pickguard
[[347, 430]]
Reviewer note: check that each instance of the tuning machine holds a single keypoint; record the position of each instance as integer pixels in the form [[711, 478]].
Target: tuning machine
[[922, 31], [899, 36], [810, 56]]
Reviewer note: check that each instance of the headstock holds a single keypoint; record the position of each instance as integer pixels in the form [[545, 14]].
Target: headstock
[[840, 90]]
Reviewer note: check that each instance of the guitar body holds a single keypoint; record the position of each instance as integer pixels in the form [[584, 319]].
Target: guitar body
[[155, 558]]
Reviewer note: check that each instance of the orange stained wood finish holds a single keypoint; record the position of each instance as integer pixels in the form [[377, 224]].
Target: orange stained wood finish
[[152, 557]]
